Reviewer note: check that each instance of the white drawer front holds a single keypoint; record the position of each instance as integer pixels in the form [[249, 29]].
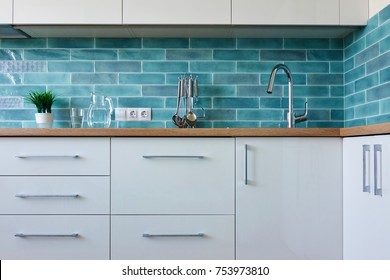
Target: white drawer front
[[173, 176], [55, 156], [50, 237], [172, 237], [54, 195]]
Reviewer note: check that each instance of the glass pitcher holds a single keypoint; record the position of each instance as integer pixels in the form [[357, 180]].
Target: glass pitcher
[[99, 111]]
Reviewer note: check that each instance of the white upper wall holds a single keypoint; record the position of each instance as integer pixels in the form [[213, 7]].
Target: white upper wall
[[377, 5]]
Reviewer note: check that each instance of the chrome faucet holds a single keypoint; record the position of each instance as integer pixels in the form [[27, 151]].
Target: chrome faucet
[[291, 118]]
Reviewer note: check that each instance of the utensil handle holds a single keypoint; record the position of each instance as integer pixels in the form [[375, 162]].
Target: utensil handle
[[47, 195], [246, 165], [171, 157], [366, 168], [173, 235], [74, 235], [378, 169]]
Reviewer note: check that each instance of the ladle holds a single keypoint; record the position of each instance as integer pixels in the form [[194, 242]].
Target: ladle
[[191, 116]]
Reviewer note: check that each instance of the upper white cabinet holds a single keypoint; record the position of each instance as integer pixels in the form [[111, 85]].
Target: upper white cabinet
[[5, 11], [354, 12], [67, 12], [176, 12], [286, 12], [300, 12]]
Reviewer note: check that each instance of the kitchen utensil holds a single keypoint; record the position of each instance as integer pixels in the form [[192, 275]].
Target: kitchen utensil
[[197, 105], [177, 120], [99, 111], [190, 116]]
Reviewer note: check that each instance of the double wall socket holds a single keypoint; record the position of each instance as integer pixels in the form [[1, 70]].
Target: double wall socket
[[133, 114]]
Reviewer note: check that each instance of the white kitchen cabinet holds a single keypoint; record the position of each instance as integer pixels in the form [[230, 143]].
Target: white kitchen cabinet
[[67, 12], [172, 176], [176, 12], [289, 198], [55, 197], [172, 237], [285, 12], [6, 11], [366, 198], [354, 12]]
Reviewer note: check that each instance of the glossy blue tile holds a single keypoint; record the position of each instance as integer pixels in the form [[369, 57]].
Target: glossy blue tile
[[367, 82], [70, 66], [255, 67], [140, 79], [337, 115], [337, 91], [18, 90], [378, 34], [378, 119], [119, 90], [281, 79], [211, 43], [215, 90], [159, 43], [260, 115], [13, 66], [118, 66], [46, 78], [235, 124], [385, 75], [356, 122], [385, 106], [306, 43], [236, 55], [9, 54], [220, 114], [367, 54], [118, 43], [365, 110], [354, 48], [235, 102], [337, 67], [94, 54], [47, 54], [165, 66], [355, 99], [384, 14], [70, 43], [141, 102], [355, 74], [325, 55], [189, 54], [68, 90], [203, 79], [259, 43], [349, 64], [214, 67], [237, 79], [142, 54], [329, 103], [325, 79], [311, 91], [337, 44], [258, 91], [309, 67], [159, 90], [271, 103], [24, 43], [378, 92], [384, 45], [283, 55], [318, 114], [378, 63], [94, 78]]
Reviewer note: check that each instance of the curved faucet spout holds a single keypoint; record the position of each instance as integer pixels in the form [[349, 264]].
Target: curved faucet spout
[[291, 119]]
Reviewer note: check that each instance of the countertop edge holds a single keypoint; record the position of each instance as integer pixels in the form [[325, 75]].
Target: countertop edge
[[374, 129]]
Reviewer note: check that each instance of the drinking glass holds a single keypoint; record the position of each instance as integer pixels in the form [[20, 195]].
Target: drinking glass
[[76, 117]]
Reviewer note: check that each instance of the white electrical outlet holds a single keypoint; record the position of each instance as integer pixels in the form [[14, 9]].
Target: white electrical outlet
[[133, 114]]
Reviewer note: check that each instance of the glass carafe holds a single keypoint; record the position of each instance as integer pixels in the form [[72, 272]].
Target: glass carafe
[[99, 111]]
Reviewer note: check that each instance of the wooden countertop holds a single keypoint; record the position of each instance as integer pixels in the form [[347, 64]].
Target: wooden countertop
[[196, 132]]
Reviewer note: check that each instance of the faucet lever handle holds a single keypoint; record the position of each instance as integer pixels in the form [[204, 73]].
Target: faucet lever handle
[[303, 117]]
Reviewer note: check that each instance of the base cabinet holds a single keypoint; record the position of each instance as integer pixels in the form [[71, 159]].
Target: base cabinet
[[289, 198], [366, 205]]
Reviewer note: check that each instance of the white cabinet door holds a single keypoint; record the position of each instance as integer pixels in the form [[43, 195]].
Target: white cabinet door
[[285, 12], [6, 11], [289, 198], [174, 237], [176, 12], [366, 198], [172, 176], [354, 12], [67, 12]]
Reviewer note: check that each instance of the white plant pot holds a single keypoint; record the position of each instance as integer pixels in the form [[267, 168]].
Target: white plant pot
[[44, 120]]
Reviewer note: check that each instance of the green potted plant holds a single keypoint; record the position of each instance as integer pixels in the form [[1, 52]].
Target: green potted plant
[[43, 102]]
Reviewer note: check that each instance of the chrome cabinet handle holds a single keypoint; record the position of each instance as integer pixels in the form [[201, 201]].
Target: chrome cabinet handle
[[246, 164], [366, 168], [172, 157], [74, 235], [46, 156], [173, 235], [20, 195], [378, 169]]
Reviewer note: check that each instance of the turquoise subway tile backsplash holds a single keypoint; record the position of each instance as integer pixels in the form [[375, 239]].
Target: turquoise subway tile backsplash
[[345, 81]]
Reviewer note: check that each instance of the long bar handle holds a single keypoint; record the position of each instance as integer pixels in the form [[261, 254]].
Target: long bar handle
[[20, 195], [246, 165], [378, 169], [46, 156], [74, 235], [149, 235], [366, 168], [172, 157]]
